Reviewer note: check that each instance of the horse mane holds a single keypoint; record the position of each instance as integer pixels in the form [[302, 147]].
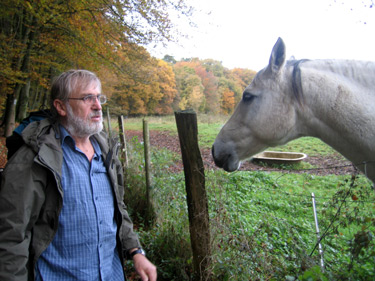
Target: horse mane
[[296, 79]]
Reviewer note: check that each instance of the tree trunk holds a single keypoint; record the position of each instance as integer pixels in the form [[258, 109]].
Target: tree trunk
[[23, 101], [24, 61], [34, 96], [44, 99], [10, 112]]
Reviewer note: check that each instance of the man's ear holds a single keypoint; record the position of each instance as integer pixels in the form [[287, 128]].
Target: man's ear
[[60, 107]]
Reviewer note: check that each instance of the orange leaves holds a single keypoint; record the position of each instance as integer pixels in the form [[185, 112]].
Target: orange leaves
[[228, 102]]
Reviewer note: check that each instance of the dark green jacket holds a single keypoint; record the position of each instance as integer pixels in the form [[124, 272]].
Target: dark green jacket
[[31, 199]]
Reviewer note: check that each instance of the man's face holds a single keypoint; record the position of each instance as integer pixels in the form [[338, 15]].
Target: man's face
[[84, 119]]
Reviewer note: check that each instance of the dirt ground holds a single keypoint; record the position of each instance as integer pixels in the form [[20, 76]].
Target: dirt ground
[[162, 139]]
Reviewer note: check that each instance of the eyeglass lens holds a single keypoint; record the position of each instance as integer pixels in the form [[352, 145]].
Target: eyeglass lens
[[92, 98]]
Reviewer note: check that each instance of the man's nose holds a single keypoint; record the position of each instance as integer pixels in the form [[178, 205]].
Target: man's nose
[[97, 104]]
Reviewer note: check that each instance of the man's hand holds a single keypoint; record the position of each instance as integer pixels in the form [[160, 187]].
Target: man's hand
[[144, 268]]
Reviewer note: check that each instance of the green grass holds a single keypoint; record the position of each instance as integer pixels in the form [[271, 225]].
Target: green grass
[[309, 145], [155, 123]]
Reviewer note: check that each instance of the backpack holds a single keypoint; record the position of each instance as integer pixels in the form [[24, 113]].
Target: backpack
[[15, 141]]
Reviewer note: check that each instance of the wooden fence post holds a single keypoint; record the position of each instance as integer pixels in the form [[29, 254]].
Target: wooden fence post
[[109, 124], [146, 140], [196, 193], [124, 149]]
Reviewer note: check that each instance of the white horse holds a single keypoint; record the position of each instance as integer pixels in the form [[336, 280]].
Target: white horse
[[333, 100]]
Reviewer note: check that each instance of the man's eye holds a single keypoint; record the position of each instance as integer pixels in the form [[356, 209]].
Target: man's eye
[[89, 98]]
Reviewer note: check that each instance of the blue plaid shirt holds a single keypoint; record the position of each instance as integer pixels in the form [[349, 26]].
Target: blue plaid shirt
[[84, 247]]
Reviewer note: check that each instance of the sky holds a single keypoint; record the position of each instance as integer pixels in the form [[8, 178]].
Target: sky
[[241, 33]]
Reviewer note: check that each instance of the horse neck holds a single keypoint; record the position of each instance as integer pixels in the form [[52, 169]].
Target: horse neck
[[338, 106]]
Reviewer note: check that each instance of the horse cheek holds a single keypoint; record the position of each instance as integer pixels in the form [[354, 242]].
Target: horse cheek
[[284, 132], [277, 125]]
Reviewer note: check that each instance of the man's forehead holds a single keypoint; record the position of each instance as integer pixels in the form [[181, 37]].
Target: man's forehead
[[92, 87]]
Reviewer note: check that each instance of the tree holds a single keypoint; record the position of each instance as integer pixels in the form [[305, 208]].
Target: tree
[[189, 86], [42, 38], [136, 89], [222, 87], [240, 78], [169, 59], [167, 85], [147, 84], [210, 84]]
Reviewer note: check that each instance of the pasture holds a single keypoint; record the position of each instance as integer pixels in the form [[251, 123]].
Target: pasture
[[262, 223]]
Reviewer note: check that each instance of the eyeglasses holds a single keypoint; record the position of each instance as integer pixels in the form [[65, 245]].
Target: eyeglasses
[[91, 99]]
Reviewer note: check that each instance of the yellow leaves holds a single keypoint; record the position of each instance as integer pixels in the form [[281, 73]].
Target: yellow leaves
[[183, 103], [196, 98]]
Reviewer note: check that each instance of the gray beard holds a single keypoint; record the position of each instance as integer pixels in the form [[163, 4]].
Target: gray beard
[[83, 128]]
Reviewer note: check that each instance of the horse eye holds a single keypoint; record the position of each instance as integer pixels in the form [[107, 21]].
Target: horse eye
[[247, 97]]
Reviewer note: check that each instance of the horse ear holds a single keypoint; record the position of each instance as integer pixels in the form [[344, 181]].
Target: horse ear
[[277, 58]]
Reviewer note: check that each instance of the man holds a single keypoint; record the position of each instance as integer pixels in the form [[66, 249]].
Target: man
[[62, 215]]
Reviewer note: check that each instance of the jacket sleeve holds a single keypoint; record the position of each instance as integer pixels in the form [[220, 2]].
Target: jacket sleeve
[[110, 149], [128, 237], [21, 198]]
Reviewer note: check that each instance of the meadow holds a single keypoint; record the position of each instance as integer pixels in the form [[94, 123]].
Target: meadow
[[261, 222]]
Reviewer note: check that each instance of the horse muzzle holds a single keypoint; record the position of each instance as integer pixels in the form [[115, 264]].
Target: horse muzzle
[[226, 161]]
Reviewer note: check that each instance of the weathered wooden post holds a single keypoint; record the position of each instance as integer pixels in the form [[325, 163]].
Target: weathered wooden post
[[124, 150], [196, 193], [146, 140], [109, 124]]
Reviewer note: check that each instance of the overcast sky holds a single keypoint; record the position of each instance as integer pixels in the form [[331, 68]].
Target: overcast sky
[[241, 33]]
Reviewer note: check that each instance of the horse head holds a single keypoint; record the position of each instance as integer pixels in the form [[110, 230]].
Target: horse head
[[265, 116]]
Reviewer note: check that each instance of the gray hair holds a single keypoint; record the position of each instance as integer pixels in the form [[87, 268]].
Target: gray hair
[[68, 82]]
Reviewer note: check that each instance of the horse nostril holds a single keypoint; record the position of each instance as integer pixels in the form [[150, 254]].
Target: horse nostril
[[213, 155], [219, 160]]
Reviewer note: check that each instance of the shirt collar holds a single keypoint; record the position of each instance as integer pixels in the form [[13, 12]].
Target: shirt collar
[[68, 140]]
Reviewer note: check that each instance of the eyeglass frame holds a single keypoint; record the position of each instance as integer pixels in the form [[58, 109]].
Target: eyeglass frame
[[89, 99]]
